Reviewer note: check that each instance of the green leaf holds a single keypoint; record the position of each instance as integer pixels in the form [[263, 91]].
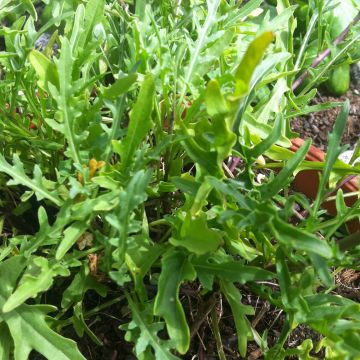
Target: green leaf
[[341, 207], [282, 179], [304, 110], [78, 27], [207, 160], [322, 268], [94, 12], [246, 71], [140, 257], [148, 334], [217, 108], [175, 269], [27, 323], [55, 20], [232, 271], [30, 331], [10, 270], [287, 293], [333, 152], [140, 8], [17, 173], [263, 68], [130, 198], [71, 235], [262, 130], [119, 87], [242, 324], [80, 325], [319, 74], [64, 97], [203, 33], [81, 283], [29, 6], [247, 8], [46, 232], [265, 144], [5, 341], [201, 198], [140, 121], [277, 153], [275, 104], [228, 189], [45, 69], [186, 183], [250, 61], [291, 236], [214, 99], [38, 277], [195, 235]]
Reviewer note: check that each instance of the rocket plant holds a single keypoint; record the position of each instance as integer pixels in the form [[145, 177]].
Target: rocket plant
[[131, 145]]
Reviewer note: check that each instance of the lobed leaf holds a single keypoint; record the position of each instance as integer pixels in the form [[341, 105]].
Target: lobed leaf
[[27, 323], [175, 269], [242, 324], [38, 277], [18, 175], [195, 235], [148, 335]]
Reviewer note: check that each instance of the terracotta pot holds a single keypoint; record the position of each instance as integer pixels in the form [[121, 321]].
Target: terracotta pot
[[307, 182]]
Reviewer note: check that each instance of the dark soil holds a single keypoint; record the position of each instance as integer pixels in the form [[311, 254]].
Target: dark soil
[[317, 126]]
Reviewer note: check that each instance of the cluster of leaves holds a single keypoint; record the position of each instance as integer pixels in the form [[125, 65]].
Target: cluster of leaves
[[121, 136]]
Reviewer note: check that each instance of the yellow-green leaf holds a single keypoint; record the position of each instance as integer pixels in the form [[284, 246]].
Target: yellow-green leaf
[[196, 236], [250, 61], [45, 69], [214, 99]]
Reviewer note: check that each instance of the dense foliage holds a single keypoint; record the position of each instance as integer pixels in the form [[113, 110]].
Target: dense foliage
[[121, 123]]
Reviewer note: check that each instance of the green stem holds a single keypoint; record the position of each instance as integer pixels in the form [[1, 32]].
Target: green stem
[[115, 125], [69, 132], [93, 311], [343, 219], [158, 222]]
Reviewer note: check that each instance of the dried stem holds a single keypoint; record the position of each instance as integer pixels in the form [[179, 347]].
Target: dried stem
[[339, 186], [201, 317]]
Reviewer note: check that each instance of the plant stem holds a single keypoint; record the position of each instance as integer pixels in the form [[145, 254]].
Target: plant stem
[[158, 222], [324, 54], [306, 39], [93, 311], [118, 111]]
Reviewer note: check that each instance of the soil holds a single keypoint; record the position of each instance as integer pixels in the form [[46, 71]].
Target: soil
[[317, 126], [105, 325]]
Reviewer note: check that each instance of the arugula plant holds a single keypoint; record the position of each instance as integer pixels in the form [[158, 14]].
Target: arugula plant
[[119, 147]]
